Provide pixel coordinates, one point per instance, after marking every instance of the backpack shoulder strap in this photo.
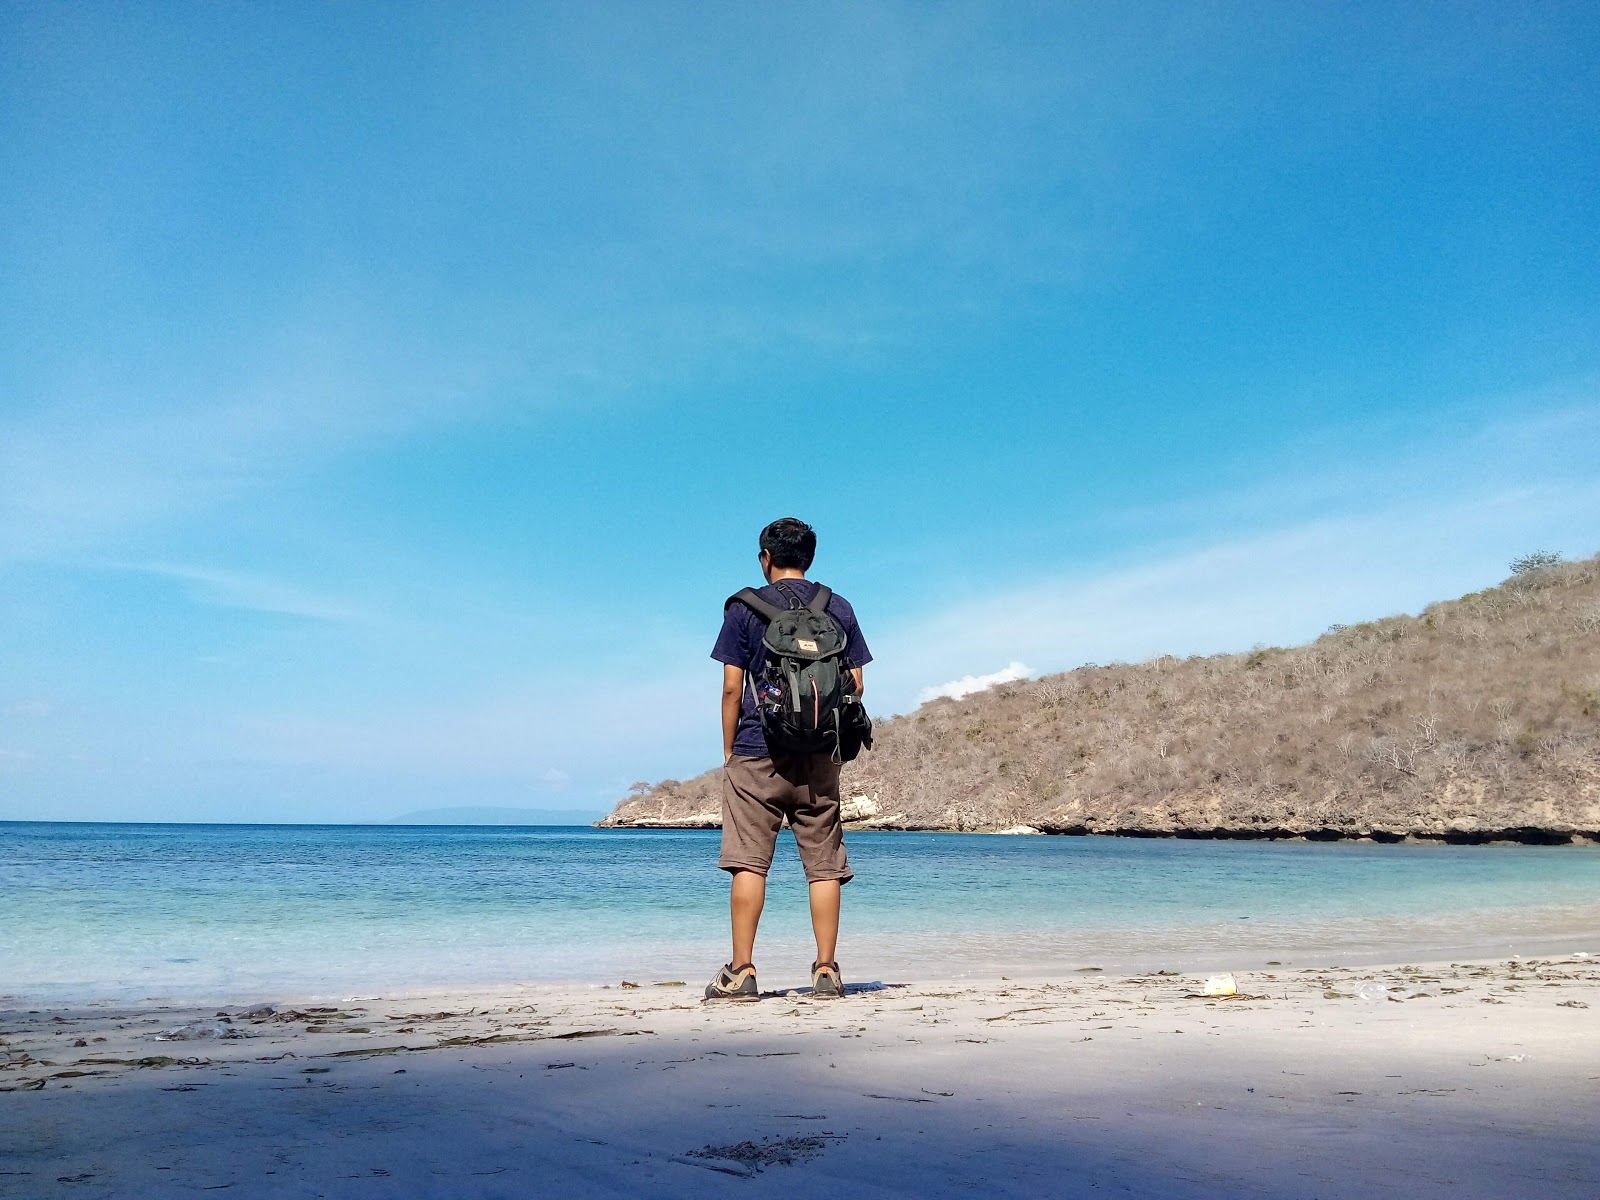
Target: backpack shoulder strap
(751, 599)
(819, 602)
(789, 594)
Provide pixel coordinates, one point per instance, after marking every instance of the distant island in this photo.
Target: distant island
(1477, 720)
(496, 816)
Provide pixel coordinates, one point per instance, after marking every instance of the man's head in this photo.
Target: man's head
(788, 544)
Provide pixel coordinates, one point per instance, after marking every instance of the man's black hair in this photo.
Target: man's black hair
(790, 542)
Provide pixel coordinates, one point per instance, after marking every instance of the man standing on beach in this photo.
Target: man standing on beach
(760, 787)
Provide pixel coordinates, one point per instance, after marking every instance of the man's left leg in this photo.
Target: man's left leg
(825, 918)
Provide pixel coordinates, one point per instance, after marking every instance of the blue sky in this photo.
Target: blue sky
(391, 394)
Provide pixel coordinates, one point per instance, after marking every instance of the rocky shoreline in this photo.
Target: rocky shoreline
(865, 812)
(1523, 835)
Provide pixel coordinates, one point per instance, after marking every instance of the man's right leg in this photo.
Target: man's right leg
(751, 817)
(746, 898)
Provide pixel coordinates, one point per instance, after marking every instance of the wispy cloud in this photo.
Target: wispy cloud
(958, 689)
(1278, 587)
(84, 457)
(553, 732)
(1349, 527)
(27, 708)
(254, 592)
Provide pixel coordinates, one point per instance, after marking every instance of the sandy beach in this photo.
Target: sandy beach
(1442, 1079)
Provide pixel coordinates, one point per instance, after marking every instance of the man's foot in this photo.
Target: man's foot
(734, 983)
(825, 981)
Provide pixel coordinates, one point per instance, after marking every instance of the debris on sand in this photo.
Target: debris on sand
(196, 1031)
(746, 1158)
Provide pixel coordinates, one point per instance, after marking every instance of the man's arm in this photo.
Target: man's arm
(732, 694)
(855, 673)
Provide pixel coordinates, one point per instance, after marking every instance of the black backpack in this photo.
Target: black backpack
(804, 692)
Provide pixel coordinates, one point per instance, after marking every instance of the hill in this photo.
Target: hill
(1478, 719)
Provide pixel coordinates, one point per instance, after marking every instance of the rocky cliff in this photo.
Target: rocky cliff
(1477, 719)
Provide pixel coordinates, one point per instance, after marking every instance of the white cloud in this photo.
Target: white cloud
(957, 689)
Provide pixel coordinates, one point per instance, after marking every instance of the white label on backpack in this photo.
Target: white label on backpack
(806, 644)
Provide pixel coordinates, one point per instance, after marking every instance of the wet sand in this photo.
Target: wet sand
(1460, 1080)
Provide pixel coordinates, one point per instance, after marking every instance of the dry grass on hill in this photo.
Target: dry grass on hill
(1480, 716)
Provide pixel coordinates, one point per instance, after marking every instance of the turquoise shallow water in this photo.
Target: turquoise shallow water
(237, 912)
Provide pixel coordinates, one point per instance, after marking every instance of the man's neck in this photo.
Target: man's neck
(784, 573)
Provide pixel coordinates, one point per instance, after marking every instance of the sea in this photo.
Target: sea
(239, 913)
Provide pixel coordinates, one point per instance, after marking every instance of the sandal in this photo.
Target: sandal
(734, 983)
(825, 981)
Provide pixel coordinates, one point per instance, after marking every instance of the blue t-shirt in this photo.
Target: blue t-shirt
(739, 645)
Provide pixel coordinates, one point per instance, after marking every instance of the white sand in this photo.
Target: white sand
(1478, 1080)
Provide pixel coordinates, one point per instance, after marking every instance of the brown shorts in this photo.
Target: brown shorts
(757, 793)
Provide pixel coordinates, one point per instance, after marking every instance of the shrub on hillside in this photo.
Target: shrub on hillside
(1536, 560)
